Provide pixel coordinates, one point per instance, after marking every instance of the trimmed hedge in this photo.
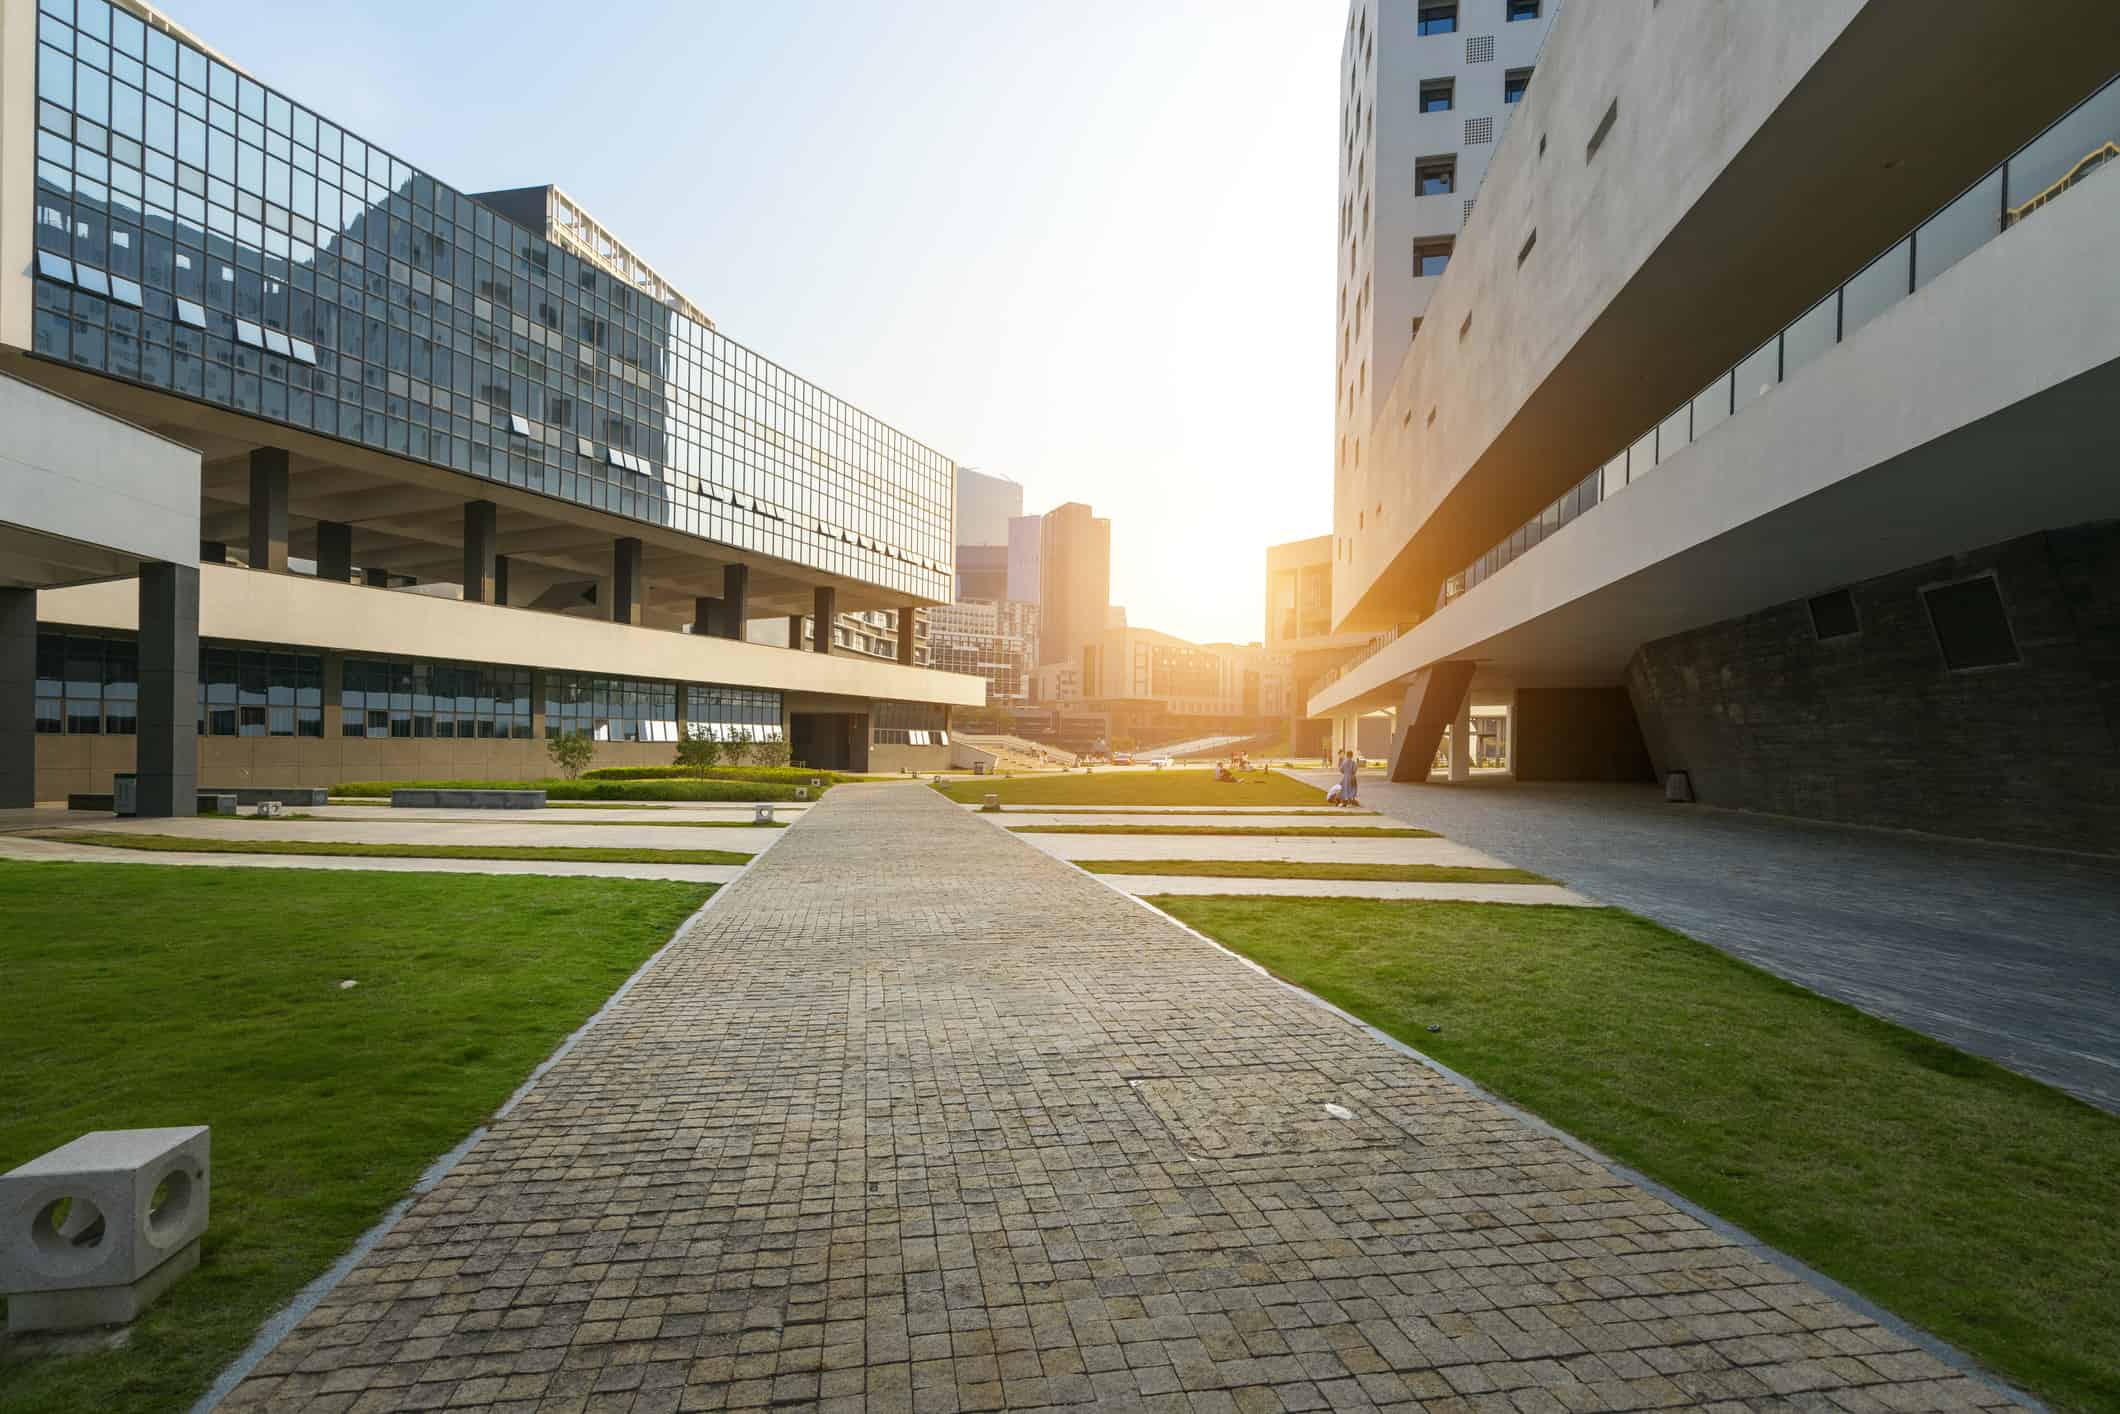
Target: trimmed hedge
(778, 775)
(558, 790)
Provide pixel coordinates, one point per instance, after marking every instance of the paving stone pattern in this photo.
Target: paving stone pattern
(919, 1118)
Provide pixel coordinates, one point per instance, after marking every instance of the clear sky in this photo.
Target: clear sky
(1086, 244)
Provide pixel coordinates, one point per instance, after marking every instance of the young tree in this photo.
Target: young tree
(571, 752)
(737, 748)
(770, 753)
(700, 749)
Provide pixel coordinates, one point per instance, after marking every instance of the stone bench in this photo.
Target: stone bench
(217, 802)
(469, 799)
(285, 795)
(106, 803)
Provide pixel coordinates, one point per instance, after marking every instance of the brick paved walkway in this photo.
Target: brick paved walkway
(917, 1117)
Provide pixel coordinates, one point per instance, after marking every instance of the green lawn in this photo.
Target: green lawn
(532, 817)
(1967, 1199)
(1311, 869)
(683, 788)
(588, 854)
(1177, 812)
(1135, 788)
(139, 995)
(1349, 832)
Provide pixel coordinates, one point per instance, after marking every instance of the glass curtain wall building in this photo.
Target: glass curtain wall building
(202, 234)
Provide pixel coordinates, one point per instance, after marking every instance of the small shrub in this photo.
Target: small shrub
(571, 752)
(699, 753)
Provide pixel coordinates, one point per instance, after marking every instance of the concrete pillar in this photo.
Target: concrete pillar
(482, 529)
(795, 631)
(628, 588)
(268, 510)
(18, 698)
(168, 745)
(334, 550)
(376, 579)
(1509, 741)
(213, 552)
(1461, 741)
(706, 616)
(907, 621)
(500, 579)
(827, 609)
(735, 597)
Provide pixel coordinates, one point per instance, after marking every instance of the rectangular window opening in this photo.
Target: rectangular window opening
(1524, 251)
(1972, 627)
(1604, 130)
(1833, 615)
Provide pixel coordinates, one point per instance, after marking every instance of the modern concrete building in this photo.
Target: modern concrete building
(1074, 583)
(1768, 435)
(456, 473)
(996, 640)
(1299, 632)
(1426, 91)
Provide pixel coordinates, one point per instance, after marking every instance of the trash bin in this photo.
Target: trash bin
(125, 793)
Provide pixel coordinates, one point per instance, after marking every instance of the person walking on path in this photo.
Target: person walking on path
(1349, 765)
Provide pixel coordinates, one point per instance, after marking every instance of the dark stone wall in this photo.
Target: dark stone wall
(1579, 734)
(1873, 729)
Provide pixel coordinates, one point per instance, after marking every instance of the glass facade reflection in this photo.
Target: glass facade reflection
(202, 234)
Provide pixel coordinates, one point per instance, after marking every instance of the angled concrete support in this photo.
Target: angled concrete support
(482, 529)
(1435, 698)
(1461, 742)
(268, 509)
(168, 751)
(795, 631)
(827, 611)
(18, 698)
(735, 591)
(334, 550)
(628, 588)
(706, 615)
(908, 620)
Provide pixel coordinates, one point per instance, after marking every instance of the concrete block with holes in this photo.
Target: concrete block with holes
(93, 1231)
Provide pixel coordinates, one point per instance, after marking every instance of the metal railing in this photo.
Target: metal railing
(2072, 147)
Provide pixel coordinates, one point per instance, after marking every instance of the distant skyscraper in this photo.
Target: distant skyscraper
(1074, 582)
(985, 505)
(1024, 533)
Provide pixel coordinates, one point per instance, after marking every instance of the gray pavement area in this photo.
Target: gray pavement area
(915, 1117)
(2013, 954)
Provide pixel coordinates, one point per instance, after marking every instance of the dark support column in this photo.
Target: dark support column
(795, 631)
(268, 510)
(18, 698)
(334, 550)
(706, 615)
(213, 552)
(168, 761)
(735, 590)
(827, 610)
(907, 619)
(500, 580)
(628, 589)
(481, 531)
(376, 579)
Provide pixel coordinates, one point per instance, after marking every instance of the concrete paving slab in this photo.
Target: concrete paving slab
(1141, 885)
(1291, 847)
(30, 848)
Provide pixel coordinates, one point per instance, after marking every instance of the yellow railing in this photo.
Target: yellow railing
(2094, 159)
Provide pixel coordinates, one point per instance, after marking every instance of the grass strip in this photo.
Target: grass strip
(1333, 813)
(1963, 1197)
(688, 788)
(584, 854)
(531, 817)
(220, 988)
(1350, 832)
(1135, 788)
(1311, 869)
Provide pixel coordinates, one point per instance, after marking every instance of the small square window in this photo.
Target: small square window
(1436, 95)
(89, 278)
(1833, 615)
(1972, 627)
(518, 424)
(1514, 83)
(276, 342)
(1431, 257)
(55, 267)
(190, 313)
(303, 351)
(1521, 10)
(249, 333)
(1435, 176)
(1437, 19)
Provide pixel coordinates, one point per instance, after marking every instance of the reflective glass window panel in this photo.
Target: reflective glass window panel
(1955, 232)
(1757, 375)
(1882, 284)
(1815, 331)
